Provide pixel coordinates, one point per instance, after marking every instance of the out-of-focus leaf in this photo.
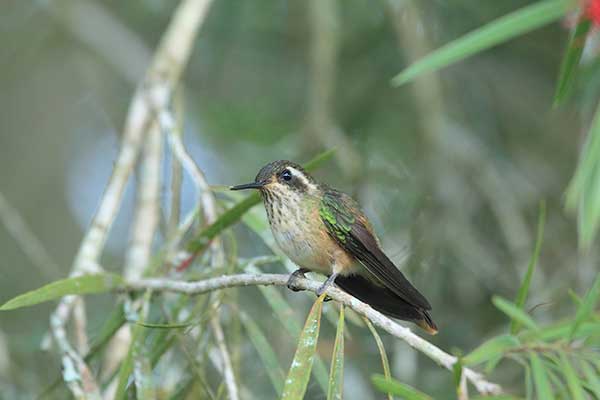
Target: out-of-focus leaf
(285, 315)
(232, 215)
(528, 383)
(127, 364)
(112, 324)
(85, 284)
(384, 359)
(299, 372)
(568, 68)
(502, 29)
(514, 312)
(583, 193)
(394, 388)
(491, 349)
(572, 379)
(163, 326)
(336, 373)
(592, 377)
(524, 289)
(587, 307)
(265, 352)
(540, 379)
(497, 397)
(457, 371)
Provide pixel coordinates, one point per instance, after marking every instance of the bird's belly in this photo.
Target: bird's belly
(302, 246)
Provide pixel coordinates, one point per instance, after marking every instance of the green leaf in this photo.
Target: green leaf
(593, 379)
(299, 372)
(514, 312)
(286, 316)
(233, 215)
(393, 387)
(384, 359)
(457, 372)
(524, 289)
(163, 326)
(571, 378)
(491, 349)
(265, 352)
(570, 62)
(583, 193)
(540, 379)
(587, 307)
(336, 373)
(85, 284)
(501, 30)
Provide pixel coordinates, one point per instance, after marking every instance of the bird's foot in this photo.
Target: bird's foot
(326, 285)
(291, 283)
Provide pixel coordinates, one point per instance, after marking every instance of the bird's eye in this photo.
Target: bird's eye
(286, 175)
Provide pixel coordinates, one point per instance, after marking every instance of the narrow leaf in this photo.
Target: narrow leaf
(394, 387)
(265, 352)
(524, 289)
(86, 284)
(299, 372)
(570, 62)
(540, 379)
(587, 307)
(583, 193)
(163, 326)
(514, 312)
(233, 215)
(491, 349)
(384, 359)
(336, 373)
(286, 316)
(572, 379)
(501, 30)
(592, 377)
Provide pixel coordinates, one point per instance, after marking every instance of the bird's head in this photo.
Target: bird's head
(282, 179)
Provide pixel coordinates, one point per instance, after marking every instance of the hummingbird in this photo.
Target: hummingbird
(324, 230)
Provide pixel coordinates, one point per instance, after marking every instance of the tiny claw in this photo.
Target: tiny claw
(291, 283)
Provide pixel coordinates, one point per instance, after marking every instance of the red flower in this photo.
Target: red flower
(592, 11)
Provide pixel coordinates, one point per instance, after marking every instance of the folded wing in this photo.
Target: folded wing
(350, 228)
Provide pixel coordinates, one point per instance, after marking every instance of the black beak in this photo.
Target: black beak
(253, 185)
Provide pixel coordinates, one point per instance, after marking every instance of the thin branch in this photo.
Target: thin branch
(226, 281)
(232, 388)
(147, 207)
(153, 94)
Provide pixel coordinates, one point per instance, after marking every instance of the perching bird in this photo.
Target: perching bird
(323, 230)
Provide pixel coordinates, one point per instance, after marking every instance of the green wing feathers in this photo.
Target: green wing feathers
(350, 228)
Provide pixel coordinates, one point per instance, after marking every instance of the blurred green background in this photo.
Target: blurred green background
(450, 168)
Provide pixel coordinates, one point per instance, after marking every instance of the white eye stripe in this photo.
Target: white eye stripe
(299, 175)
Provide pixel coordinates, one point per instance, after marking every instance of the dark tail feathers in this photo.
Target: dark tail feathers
(386, 302)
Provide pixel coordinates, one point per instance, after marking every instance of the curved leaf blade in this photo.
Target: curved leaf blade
(587, 307)
(384, 359)
(394, 387)
(299, 372)
(85, 284)
(568, 68)
(336, 374)
(514, 312)
(501, 30)
(540, 379)
(265, 352)
(491, 349)
(573, 382)
(524, 289)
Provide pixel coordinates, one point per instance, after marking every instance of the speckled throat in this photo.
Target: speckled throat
(298, 229)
